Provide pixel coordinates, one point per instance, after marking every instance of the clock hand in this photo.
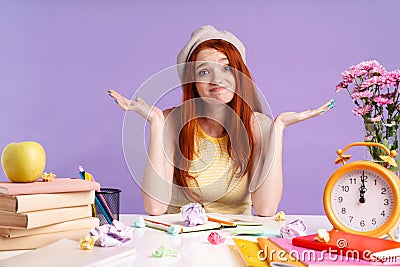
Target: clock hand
(362, 188)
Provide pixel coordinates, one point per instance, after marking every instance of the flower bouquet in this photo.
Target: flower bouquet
(375, 92)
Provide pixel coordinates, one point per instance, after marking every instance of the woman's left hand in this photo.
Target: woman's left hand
(289, 118)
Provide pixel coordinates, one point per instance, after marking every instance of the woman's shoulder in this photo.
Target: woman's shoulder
(168, 111)
(261, 125)
(261, 120)
(172, 117)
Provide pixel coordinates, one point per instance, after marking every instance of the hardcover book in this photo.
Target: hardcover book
(59, 185)
(39, 218)
(84, 223)
(67, 253)
(317, 258)
(342, 242)
(37, 241)
(34, 202)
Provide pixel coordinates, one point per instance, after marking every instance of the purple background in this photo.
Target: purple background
(58, 58)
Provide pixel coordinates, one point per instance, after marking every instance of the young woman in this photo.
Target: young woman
(216, 148)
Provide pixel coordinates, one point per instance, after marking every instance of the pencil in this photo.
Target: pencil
(222, 222)
(159, 225)
(90, 177)
(97, 201)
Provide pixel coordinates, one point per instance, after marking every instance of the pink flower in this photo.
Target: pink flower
(341, 86)
(361, 111)
(372, 66)
(394, 77)
(348, 76)
(375, 80)
(215, 238)
(376, 119)
(368, 138)
(382, 100)
(357, 95)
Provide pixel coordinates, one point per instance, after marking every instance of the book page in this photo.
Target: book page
(67, 253)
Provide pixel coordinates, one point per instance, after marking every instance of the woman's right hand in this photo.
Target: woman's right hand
(148, 112)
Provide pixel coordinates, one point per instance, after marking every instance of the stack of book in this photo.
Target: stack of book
(36, 214)
(304, 251)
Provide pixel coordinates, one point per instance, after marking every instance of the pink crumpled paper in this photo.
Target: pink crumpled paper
(294, 229)
(215, 238)
(193, 214)
(112, 235)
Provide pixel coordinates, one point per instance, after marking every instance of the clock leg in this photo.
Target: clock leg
(391, 236)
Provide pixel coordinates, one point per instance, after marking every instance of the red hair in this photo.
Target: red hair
(244, 103)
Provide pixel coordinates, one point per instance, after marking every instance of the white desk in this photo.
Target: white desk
(194, 248)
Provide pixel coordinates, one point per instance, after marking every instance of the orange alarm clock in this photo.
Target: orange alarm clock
(363, 197)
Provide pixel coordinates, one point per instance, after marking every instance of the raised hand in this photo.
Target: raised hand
(138, 105)
(289, 118)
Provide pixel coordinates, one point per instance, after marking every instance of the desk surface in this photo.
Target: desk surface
(194, 248)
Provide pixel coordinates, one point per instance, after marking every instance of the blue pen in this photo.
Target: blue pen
(103, 210)
(81, 172)
(98, 203)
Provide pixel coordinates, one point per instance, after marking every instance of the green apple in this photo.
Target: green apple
(23, 162)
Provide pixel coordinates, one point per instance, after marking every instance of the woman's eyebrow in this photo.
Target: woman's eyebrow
(204, 63)
(201, 64)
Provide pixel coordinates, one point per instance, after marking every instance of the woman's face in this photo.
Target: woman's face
(214, 77)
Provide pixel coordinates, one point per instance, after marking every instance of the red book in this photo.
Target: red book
(342, 242)
(58, 185)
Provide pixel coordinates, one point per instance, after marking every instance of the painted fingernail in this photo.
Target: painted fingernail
(116, 101)
(332, 106)
(332, 101)
(323, 111)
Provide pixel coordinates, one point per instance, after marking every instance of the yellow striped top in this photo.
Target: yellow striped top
(214, 185)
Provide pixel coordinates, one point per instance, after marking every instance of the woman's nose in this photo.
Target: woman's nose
(216, 77)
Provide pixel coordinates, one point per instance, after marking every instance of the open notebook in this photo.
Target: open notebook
(67, 253)
(163, 222)
(215, 221)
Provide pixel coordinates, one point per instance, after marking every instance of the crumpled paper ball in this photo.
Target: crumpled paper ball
(322, 236)
(294, 229)
(193, 214)
(111, 235)
(280, 216)
(139, 223)
(87, 242)
(215, 238)
(164, 251)
(174, 230)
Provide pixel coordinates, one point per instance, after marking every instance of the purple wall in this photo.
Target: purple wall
(58, 58)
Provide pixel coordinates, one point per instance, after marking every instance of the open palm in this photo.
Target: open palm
(289, 118)
(138, 105)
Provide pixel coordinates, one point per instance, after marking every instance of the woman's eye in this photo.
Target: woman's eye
(203, 72)
(227, 68)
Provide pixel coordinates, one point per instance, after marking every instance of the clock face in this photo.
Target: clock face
(362, 200)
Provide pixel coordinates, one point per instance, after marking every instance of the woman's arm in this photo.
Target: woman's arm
(267, 183)
(157, 179)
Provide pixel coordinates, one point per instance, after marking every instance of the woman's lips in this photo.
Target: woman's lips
(217, 89)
